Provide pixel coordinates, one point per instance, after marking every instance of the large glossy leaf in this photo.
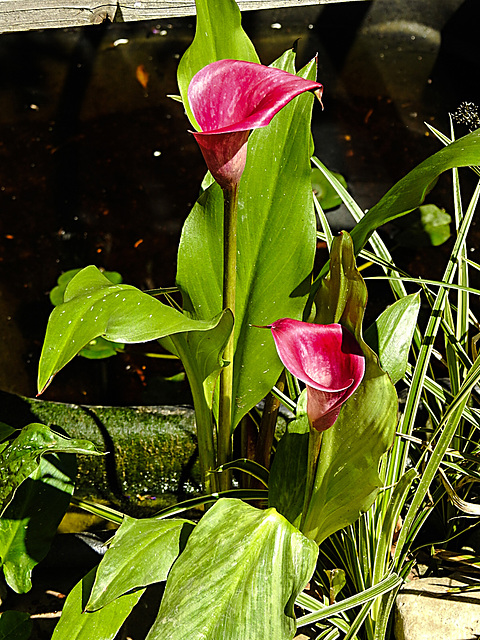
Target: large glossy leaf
(95, 307)
(347, 478)
(141, 553)
(236, 582)
(409, 192)
(77, 624)
(30, 521)
(276, 245)
(21, 457)
(218, 36)
(390, 336)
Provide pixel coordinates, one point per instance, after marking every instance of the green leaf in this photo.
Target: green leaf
(323, 190)
(15, 625)
(390, 336)
(288, 475)
(77, 624)
(6, 431)
(219, 36)
(99, 348)
(276, 246)
(22, 456)
(410, 192)
(141, 553)
(57, 293)
(347, 478)
(236, 583)
(95, 307)
(30, 521)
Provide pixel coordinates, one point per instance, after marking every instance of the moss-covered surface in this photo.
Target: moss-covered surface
(150, 456)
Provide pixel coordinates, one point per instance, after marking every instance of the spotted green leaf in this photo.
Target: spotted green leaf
(95, 307)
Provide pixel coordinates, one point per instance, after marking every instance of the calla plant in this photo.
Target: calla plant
(233, 278)
(230, 98)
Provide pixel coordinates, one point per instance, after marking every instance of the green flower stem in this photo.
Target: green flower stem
(224, 442)
(314, 444)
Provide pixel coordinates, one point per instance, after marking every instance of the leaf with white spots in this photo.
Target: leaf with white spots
(95, 307)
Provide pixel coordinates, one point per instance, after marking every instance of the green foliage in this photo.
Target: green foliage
(99, 348)
(347, 478)
(77, 624)
(391, 335)
(276, 220)
(426, 226)
(246, 577)
(409, 192)
(142, 553)
(95, 307)
(323, 190)
(15, 625)
(28, 524)
(288, 475)
(22, 456)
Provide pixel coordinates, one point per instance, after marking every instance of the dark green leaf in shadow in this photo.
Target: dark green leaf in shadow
(323, 190)
(390, 336)
(236, 583)
(424, 227)
(30, 521)
(21, 457)
(141, 553)
(77, 624)
(15, 625)
(288, 474)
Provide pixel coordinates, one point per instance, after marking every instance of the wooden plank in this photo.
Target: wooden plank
(25, 15)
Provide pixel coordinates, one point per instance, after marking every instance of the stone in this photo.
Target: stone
(426, 608)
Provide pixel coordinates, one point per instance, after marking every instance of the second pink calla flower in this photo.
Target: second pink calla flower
(229, 98)
(327, 358)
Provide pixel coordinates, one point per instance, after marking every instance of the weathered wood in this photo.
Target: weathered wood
(25, 15)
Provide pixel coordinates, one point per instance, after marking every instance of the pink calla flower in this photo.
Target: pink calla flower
(229, 98)
(327, 358)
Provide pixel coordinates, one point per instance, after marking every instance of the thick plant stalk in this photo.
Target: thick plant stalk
(224, 432)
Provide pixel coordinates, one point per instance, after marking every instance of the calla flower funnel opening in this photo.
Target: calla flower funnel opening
(327, 358)
(229, 98)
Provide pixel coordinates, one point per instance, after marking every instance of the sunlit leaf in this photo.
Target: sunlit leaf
(390, 336)
(141, 553)
(77, 624)
(236, 583)
(95, 307)
(30, 521)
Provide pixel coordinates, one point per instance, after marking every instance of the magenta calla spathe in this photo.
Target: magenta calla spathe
(327, 358)
(229, 98)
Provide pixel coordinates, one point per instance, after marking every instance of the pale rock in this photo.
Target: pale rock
(425, 610)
